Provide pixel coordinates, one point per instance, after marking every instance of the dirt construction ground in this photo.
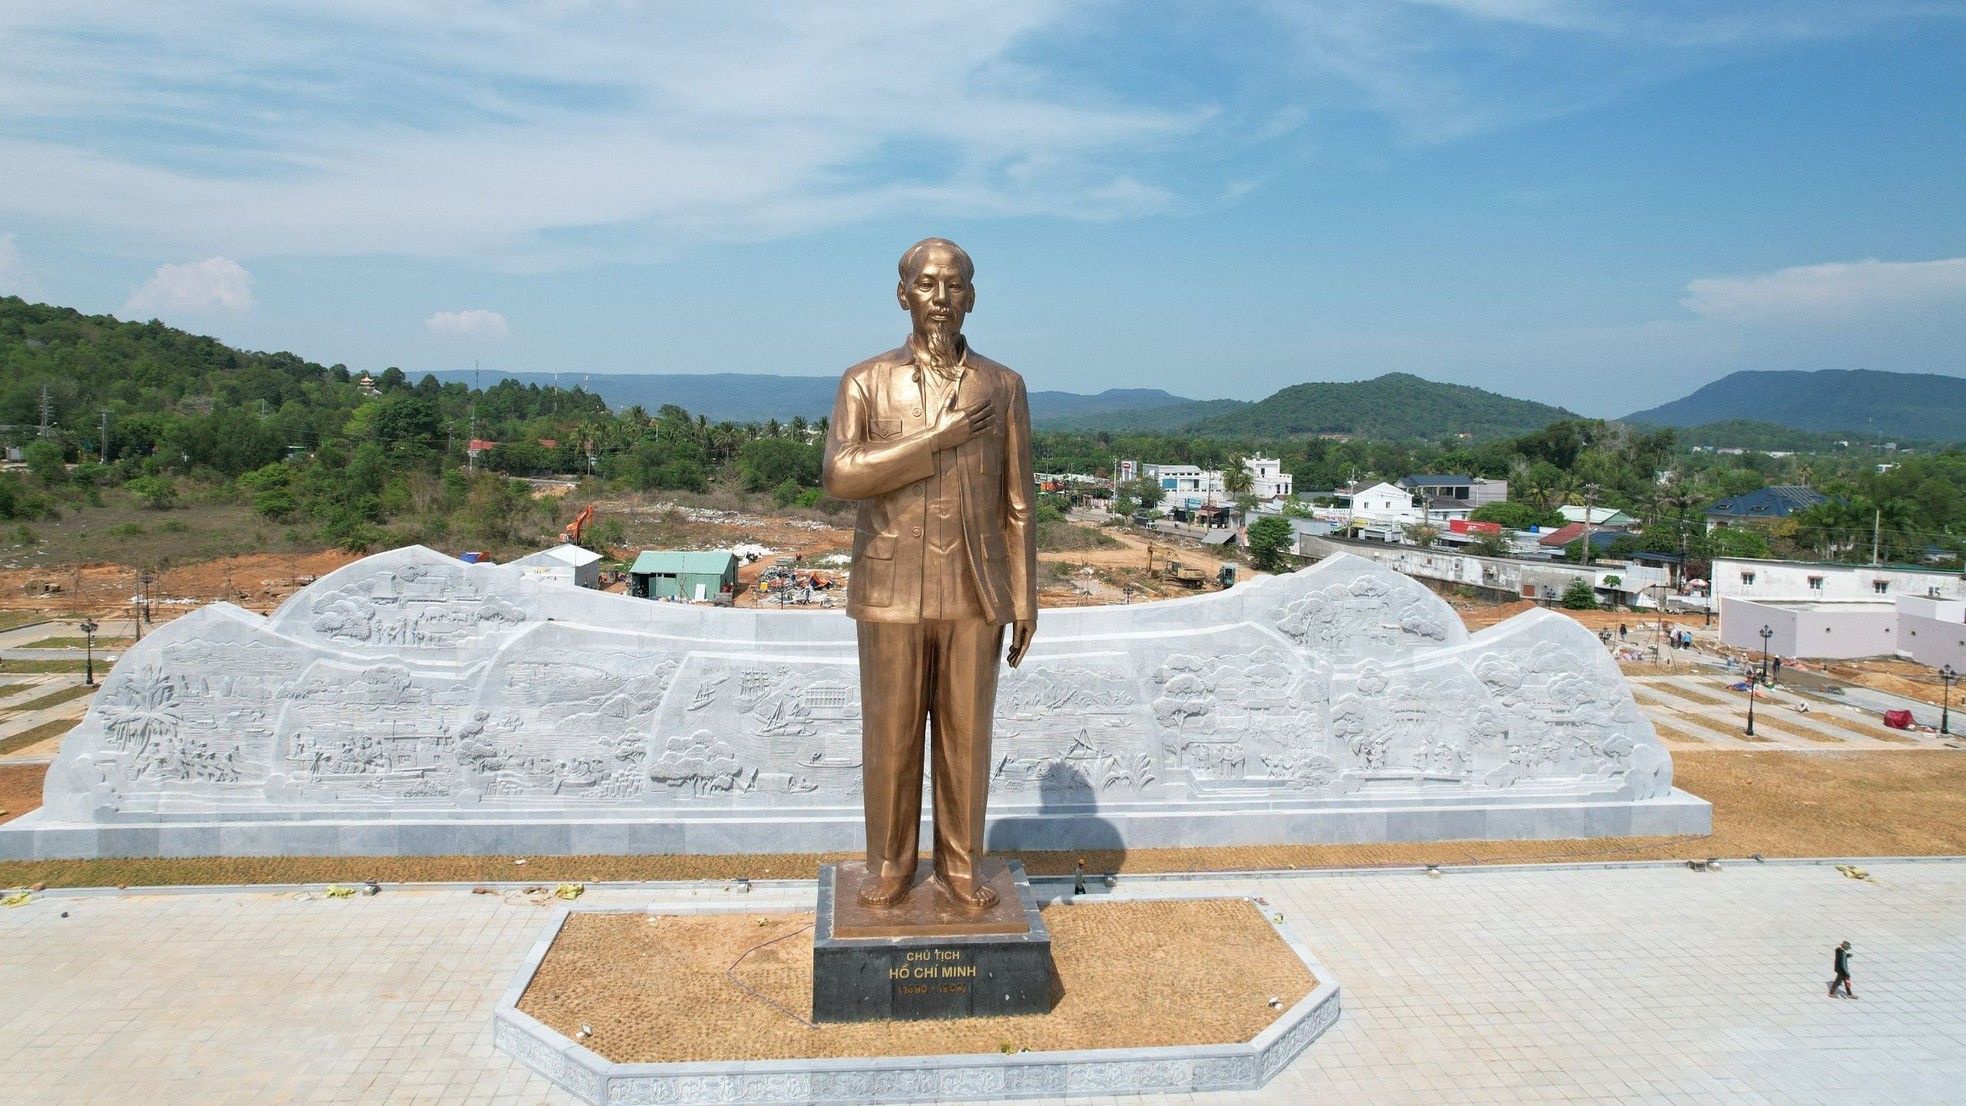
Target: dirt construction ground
(257, 581)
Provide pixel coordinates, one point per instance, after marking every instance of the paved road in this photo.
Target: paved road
(1644, 985)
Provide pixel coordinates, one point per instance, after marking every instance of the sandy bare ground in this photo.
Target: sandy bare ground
(1109, 958)
(1120, 574)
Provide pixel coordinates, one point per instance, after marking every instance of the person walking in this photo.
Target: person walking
(1621, 631)
(1078, 878)
(1841, 961)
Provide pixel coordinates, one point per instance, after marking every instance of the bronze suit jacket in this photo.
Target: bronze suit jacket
(878, 452)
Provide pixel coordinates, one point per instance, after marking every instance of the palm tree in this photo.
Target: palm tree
(1236, 479)
(1672, 500)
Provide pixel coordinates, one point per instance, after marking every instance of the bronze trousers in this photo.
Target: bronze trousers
(942, 676)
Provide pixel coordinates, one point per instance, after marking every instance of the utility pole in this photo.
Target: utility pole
(46, 410)
(1590, 510)
(471, 442)
(1876, 531)
(104, 458)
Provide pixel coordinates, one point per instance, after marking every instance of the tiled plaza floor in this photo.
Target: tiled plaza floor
(1697, 710)
(1552, 985)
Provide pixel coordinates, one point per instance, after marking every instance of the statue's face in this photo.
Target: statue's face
(938, 296)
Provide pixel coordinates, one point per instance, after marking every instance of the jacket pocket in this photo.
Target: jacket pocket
(872, 584)
(882, 430)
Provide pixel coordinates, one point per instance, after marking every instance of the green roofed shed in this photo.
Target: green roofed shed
(676, 573)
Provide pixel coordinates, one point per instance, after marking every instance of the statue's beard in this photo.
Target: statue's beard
(943, 340)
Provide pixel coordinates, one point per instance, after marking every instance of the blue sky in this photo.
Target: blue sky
(1594, 204)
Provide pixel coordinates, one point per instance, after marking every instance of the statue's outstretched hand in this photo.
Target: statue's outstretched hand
(1021, 632)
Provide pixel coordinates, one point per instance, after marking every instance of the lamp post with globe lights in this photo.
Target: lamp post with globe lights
(1766, 633)
(89, 629)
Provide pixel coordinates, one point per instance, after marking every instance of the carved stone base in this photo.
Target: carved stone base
(1511, 814)
(926, 958)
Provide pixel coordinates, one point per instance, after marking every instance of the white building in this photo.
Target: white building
(566, 564)
(1186, 485)
(1836, 611)
(1471, 490)
(1818, 630)
(1381, 503)
(1627, 585)
(1806, 581)
(1441, 510)
(1933, 631)
(1189, 486)
(1267, 480)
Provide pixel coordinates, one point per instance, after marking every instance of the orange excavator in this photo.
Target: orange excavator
(573, 530)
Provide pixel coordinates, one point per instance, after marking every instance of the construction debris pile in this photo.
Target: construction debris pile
(789, 581)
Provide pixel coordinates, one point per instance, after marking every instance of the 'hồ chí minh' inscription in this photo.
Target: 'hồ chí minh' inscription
(933, 964)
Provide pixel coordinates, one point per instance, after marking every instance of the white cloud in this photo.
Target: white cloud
(214, 284)
(1840, 289)
(550, 133)
(1442, 70)
(556, 132)
(16, 279)
(470, 324)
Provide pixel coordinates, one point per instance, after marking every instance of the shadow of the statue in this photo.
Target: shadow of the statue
(1065, 832)
(1066, 836)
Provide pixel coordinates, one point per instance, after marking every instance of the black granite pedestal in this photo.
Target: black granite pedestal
(927, 958)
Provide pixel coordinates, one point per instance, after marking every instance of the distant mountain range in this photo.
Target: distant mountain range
(1397, 405)
(756, 397)
(1866, 402)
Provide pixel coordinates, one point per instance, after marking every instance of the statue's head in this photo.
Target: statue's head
(935, 289)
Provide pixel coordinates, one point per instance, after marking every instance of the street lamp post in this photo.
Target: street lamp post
(1946, 676)
(89, 629)
(1766, 633)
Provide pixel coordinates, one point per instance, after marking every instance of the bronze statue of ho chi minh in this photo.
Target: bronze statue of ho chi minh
(934, 440)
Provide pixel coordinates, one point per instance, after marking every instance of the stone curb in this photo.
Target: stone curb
(1176, 1070)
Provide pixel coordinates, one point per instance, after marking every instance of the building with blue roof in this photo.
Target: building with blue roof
(1769, 504)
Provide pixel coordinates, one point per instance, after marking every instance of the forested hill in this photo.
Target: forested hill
(1394, 407)
(307, 445)
(164, 390)
(1868, 402)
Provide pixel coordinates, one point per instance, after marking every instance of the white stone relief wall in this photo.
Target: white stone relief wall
(409, 683)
